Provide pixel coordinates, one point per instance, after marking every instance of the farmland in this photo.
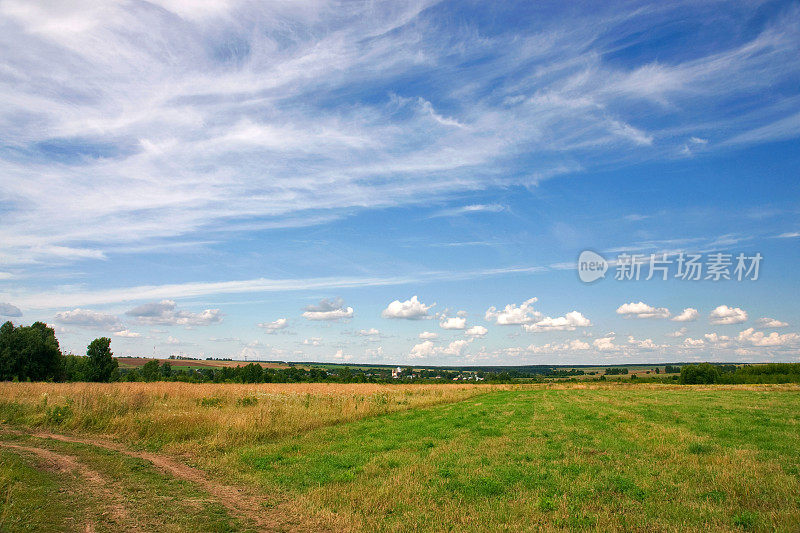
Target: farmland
(364, 457)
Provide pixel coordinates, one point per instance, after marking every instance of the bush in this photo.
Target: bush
(212, 401)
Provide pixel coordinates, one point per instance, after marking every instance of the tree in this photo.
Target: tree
(699, 374)
(29, 352)
(150, 370)
(101, 361)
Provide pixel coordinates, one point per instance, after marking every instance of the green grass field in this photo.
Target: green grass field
(572, 457)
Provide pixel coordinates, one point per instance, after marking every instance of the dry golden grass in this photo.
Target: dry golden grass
(211, 414)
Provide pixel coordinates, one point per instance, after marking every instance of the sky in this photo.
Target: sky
(403, 182)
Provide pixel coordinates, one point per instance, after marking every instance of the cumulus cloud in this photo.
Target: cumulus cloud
(313, 341)
(7, 309)
(275, 325)
(166, 313)
(568, 322)
(606, 344)
(456, 347)
(340, 355)
(328, 310)
(428, 335)
(411, 309)
(90, 319)
(687, 315)
(724, 315)
(453, 322)
(767, 322)
(645, 344)
(693, 343)
(759, 338)
(679, 333)
(642, 310)
(476, 331)
(514, 315)
(429, 349)
(716, 339)
(371, 332)
(423, 349)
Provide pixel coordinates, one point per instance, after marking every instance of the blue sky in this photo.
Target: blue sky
(400, 182)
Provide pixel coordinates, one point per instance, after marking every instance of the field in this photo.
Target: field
(194, 364)
(335, 457)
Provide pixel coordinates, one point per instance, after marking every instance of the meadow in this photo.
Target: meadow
(365, 457)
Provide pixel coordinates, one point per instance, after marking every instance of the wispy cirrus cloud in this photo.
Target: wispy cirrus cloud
(211, 121)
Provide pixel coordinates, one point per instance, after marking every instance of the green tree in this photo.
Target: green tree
(699, 374)
(101, 361)
(150, 370)
(76, 368)
(29, 352)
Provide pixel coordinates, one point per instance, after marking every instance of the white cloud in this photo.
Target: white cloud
(767, 322)
(679, 333)
(313, 341)
(423, 349)
(176, 118)
(568, 322)
(173, 340)
(90, 319)
(371, 332)
(328, 310)
(275, 325)
(687, 315)
(513, 315)
(453, 322)
(427, 335)
(473, 208)
(167, 313)
(642, 310)
(341, 356)
(759, 338)
(693, 343)
(127, 333)
(476, 331)
(645, 344)
(7, 309)
(575, 345)
(456, 347)
(411, 309)
(714, 338)
(723, 315)
(429, 349)
(66, 298)
(606, 344)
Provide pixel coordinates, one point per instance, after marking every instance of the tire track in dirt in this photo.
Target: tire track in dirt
(238, 502)
(98, 484)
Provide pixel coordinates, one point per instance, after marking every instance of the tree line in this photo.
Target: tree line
(708, 373)
(32, 353)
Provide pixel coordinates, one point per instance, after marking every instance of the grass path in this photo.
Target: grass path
(94, 482)
(139, 491)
